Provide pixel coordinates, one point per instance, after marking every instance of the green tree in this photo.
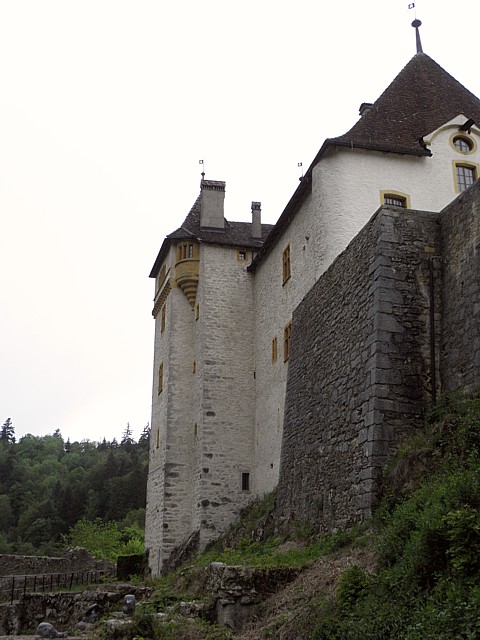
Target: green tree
(7, 434)
(127, 440)
(144, 440)
(104, 539)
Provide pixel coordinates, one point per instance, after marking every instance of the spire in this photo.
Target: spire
(416, 24)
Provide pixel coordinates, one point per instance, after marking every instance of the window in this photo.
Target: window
(463, 144)
(287, 338)
(158, 437)
(194, 366)
(184, 251)
(274, 350)
(162, 326)
(197, 312)
(161, 277)
(160, 378)
(241, 255)
(245, 482)
(395, 198)
(286, 272)
(396, 201)
(465, 176)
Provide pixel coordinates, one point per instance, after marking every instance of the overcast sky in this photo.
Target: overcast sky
(106, 107)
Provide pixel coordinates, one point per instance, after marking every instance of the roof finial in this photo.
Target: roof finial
(417, 23)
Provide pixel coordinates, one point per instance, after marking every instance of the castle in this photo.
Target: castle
(298, 355)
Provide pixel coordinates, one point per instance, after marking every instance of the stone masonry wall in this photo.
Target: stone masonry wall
(76, 559)
(359, 374)
(224, 403)
(460, 224)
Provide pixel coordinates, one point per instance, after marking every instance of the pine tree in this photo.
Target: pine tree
(144, 440)
(7, 434)
(127, 440)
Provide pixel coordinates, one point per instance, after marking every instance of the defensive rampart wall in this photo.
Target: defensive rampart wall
(363, 368)
(460, 225)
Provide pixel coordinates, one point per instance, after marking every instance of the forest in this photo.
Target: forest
(49, 487)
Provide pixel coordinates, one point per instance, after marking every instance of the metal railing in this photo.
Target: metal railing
(13, 587)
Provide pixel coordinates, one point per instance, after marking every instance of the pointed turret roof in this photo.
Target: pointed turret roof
(422, 98)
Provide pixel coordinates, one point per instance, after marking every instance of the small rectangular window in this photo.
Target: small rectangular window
(287, 338)
(162, 326)
(158, 437)
(160, 378)
(161, 277)
(194, 367)
(242, 255)
(274, 350)
(197, 312)
(245, 482)
(396, 201)
(286, 271)
(190, 250)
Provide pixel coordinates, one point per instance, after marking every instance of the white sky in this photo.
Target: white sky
(106, 106)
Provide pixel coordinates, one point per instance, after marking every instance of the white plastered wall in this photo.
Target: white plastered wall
(224, 390)
(169, 489)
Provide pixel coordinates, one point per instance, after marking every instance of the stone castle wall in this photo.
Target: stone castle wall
(460, 223)
(77, 559)
(360, 371)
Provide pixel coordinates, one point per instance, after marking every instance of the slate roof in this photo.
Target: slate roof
(237, 234)
(421, 98)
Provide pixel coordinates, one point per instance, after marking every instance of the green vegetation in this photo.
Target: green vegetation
(50, 487)
(428, 544)
(105, 539)
(423, 581)
(425, 537)
(272, 553)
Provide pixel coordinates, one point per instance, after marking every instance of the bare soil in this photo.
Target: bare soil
(291, 613)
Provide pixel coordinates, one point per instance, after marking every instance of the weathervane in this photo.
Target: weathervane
(416, 24)
(203, 167)
(300, 165)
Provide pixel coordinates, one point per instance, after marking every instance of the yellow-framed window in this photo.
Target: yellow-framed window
(286, 265)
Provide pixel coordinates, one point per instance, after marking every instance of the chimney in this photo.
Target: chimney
(256, 220)
(211, 204)
(365, 107)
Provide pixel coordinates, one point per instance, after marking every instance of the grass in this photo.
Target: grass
(270, 553)
(428, 543)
